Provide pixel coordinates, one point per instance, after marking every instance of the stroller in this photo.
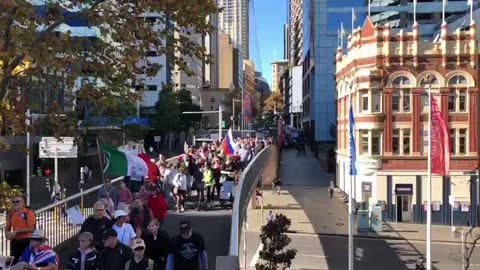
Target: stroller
(227, 193)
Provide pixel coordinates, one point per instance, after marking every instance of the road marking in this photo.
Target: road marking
(256, 256)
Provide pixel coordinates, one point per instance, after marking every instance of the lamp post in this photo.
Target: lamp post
(428, 81)
(219, 112)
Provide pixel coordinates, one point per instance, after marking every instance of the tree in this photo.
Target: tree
(6, 194)
(274, 239)
(275, 102)
(185, 104)
(472, 239)
(100, 68)
(167, 110)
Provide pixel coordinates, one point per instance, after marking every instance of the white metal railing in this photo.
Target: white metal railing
(57, 226)
(244, 191)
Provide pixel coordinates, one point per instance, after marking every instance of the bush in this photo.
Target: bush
(274, 254)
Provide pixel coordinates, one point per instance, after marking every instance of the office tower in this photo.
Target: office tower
(233, 20)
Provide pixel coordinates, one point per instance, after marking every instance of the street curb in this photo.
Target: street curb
(384, 237)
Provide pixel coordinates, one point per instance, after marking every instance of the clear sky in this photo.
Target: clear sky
(270, 16)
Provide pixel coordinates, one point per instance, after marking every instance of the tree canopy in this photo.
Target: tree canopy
(99, 65)
(275, 102)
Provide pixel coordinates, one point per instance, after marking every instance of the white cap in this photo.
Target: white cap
(119, 213)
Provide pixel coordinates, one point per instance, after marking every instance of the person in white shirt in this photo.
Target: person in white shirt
(180, 188)
(124, 230)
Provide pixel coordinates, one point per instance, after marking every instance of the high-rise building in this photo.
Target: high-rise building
(321, 21)
(234, 20)
(295, 22)
(278, 68)
(399, 13)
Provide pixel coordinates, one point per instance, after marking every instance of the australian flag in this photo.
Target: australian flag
(353, 155)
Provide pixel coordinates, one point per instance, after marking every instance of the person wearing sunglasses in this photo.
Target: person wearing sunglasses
(139, 261)
(114, 255)
(20, 224)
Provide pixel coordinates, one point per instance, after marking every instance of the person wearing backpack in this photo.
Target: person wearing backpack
(139, 261)
(20, 224)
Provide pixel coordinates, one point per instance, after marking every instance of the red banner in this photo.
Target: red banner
(440, 137)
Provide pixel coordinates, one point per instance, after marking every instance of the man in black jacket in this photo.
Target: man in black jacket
(115, 254)
(97, 224)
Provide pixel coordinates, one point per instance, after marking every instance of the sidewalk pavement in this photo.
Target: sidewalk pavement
(312, 211)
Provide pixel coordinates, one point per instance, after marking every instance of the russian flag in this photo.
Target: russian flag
(228, 144)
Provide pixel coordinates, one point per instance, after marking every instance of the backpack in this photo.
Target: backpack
(150, 264)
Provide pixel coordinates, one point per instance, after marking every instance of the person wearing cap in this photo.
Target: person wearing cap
(139, 261)
(39, 255)
(188, 248)
(85, 257)
(115, 254)
(96, 224)
(124, 230)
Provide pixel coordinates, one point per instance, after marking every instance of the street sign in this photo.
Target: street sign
(64, 146)
(157, 138)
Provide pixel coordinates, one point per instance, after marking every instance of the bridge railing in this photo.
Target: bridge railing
(263, 167)
(54, 220)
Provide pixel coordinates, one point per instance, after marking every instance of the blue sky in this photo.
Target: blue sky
(270, 16)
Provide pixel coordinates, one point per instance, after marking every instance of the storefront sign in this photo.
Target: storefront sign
(404, 189)
(368, 166)
(366, 187)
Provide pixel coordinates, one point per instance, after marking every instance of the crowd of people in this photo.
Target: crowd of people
(125, 229)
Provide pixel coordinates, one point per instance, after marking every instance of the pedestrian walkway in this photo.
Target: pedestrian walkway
(305, 200)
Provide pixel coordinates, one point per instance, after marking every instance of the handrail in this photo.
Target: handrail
(244, 190)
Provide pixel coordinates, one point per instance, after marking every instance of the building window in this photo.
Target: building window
(364, 142)
(406, 142)
(401, 141)
(376, 99)
(212, 99)
(376, 142)
(462, 141)
(401, 96)
(364, 100)
(457, 101)
(462, 100)
(452, 141)
(152, 87)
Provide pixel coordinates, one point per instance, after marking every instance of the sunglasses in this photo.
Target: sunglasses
(16, 201)
(37, 239)
(139, 249)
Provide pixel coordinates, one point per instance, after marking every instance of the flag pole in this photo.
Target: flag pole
(443, 10)
(341, 35)
(429, 183)
(100, 161)
(350, 199)
(353, 20)
(471, 11)
(369, 7)
(414, 11)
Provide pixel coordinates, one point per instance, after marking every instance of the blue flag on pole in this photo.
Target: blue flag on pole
(353, 155)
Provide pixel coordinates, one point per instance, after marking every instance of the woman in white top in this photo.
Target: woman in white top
(180, 188)
(124, 230)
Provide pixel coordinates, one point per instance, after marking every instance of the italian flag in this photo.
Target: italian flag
(128, 163)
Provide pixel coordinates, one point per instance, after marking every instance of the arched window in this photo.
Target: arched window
(457, 99)
(401, 94)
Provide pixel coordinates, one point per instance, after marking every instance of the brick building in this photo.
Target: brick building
(385, 71)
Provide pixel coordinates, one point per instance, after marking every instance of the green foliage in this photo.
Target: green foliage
(185, 104)
(6, 194)
(100, 69)
(168, 111)
(274, 254)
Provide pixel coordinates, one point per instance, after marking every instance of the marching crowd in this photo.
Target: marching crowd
(125, 230)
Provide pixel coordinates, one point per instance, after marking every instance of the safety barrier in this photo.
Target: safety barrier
(57, 226)
(263, 167)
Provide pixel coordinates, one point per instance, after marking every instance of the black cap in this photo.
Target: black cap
(109, 233)
(185, 226)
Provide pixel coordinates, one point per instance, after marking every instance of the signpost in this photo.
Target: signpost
(63, 147)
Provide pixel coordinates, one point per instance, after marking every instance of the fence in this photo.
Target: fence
(57, 226)
(264, 166)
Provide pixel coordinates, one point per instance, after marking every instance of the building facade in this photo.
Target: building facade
(263, 88)
(278, 68)
(252, 102)
(384, 75)
(234, 20)
(295, 19)
(321, 19)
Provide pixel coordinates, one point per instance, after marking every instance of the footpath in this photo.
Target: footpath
(305, 200)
